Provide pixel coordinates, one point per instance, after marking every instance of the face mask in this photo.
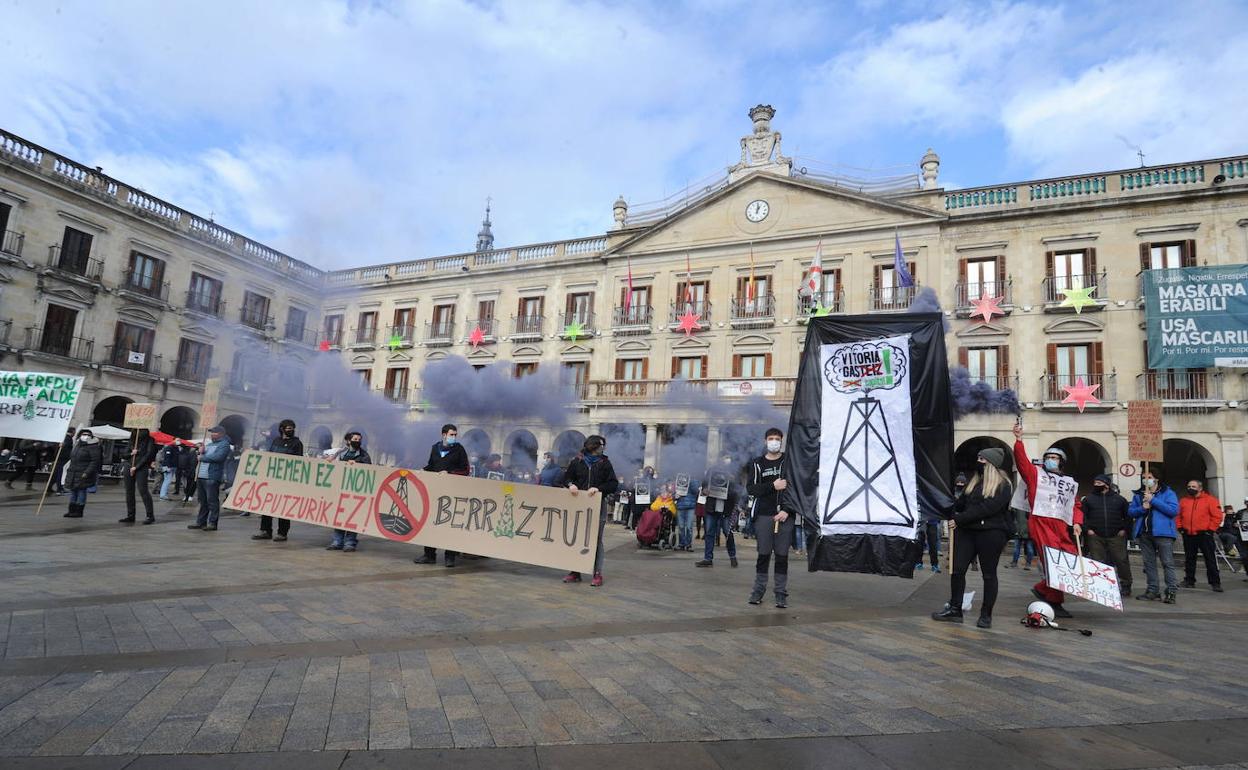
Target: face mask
(1193, 492)
(450, 440)
(1101, 490)
(355, 445)
(1150, 483)
(288, 432)
(1051, 465)
(773, 446)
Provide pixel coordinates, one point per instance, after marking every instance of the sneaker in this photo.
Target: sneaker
(782, 602)
(1169, 597)
(572, 577)
(1149, 596)
(166, 499)
(334, 547)
(732, 560)
(985, 621)
(597, 581)
(1027, 567)
(425, 560)
(918, 566)
(1061, 612)
(209, 528)
(126, 520)
(948, 615)
(150, 520)
(1189, 583)
(262, 536)
(1217, 589)
(245, 513)
(195, 526)
(348, 549)
(450, 563)
(1011, 565)
(936, 568)
(279, 538)
(704, 563)
(756, 599)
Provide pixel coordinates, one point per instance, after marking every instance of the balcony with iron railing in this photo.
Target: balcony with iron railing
(330, 339)
(1181, 388)
(140, 361)
(440, 333)
(57, 343)
(999, 382)
(488, 327)
(12, 243)
(823, 303)
(700, 308)
(759, 311)
(298, 335)
(255, 319)
(6, 329)
(890, 299)
(205, 304)
(633, 319)
(143, 286)
(395, 394)
(1053, 393)
(75, 266)
(584, 319)
(527, 328)
(363, 337)
(657, 391)
(1057, 288)
(401, 336)
(967, 293)
(190, 371)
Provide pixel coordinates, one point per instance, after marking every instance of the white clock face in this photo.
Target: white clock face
(757, 211)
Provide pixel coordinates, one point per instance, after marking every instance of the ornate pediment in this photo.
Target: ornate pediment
(194, 329)
(436, 355)
(398, 356)
(1075, 324)
(362, 358)
(68, 293)
(633, 346)
(756, 340)
(482, 354)
(140, 314)
(576, 349)
(691, 343)
(979, 330)
(526, 351)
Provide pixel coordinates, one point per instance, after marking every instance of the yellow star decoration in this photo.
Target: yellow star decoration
(509, 489)
(1078, 298)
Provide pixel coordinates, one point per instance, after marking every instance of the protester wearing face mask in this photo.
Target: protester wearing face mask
(722, 493)
(83, 471)
(773, 527)
(592, 472)
(348, 540)
(1105, 525)
(1154, 508)
(1200, 515)
(446, 456)
(288, 444)
(982, 527)
(1054, 508)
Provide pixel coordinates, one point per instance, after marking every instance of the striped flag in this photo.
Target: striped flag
(904, 279)
(628, 295)
(814, 276)
(749, 289)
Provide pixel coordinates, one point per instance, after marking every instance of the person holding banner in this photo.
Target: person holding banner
(142, 455)
(722, 494)
(344, 540)
(1154, 508)
(982, 528)
(449, 456)
(592, 471)
(1055, 508)
(83, 472)
(773, 527)
(286, 443)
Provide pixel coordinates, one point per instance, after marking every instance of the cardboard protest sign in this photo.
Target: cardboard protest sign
(1089, 580)
(36, 405)
(544, 526)
(212, 395)
(140, 416)
(1144, 434)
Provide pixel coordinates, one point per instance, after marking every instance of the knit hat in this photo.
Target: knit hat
(1104, 479)
(217, 429)
(993, 455)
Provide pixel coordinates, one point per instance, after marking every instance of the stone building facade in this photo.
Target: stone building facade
(728, 259)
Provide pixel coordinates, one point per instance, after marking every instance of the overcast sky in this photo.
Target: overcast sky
(348, 133)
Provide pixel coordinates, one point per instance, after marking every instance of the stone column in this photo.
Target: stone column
(1231, 487)
(712, 444)
(651, 454)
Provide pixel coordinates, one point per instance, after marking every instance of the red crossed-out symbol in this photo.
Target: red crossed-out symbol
(393, 512)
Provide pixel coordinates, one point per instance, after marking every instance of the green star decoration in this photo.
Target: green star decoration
(396, 342)
(1078, 298)
(574, 330)
(820, 310)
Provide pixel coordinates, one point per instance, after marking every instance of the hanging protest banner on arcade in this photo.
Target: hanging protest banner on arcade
(1196, 317)
(870, 442)
(37, 405)
(544, 526)
(1083, 577)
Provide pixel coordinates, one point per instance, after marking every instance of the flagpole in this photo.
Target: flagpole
(47, 484)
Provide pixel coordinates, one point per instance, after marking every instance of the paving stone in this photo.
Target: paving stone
(938, 751)
(652, 756)
(456, 759)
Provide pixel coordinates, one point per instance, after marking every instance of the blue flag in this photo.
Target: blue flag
(904, 279)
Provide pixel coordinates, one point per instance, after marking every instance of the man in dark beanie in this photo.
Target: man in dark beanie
(286, 442)
(1105, 527)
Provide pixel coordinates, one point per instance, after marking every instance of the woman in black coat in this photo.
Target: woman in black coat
(142, 455)
(83, 471)
(592, 471)
(981, 529)
(31, 457)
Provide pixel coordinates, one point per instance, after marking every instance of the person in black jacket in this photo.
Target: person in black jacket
(446, 456)
(31, 458)
(61, 460)
(981, 529)
(86, 462)
(773, 528)
(286, 443)
(188, 459)
(592, 471)
(347, 540)
(1105, 528)
(142, 455)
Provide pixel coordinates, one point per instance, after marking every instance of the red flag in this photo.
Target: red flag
(749, 291)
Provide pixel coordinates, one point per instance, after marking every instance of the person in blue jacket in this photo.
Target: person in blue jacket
(1153, 508)
(210, 475)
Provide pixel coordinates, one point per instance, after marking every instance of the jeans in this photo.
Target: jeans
(1202, 542)
(1152, 547)
(78, 497)
(209, 502)
(599, 551)
(170, 475)
(138, 481)
(1110, 550)
(715, 524)
(684, 527)
(1024, 546)
(345, 538)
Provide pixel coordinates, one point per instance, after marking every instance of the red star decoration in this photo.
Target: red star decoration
(324, 346)
(689, 323)
(987, 307)
(1080, 394)
(477, 336)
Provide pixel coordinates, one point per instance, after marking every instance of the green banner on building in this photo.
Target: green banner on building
(1197, 317)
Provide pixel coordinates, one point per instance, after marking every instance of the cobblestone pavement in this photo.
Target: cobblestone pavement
(119, 642)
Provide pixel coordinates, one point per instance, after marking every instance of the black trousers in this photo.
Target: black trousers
(969, 545)
(138, 481)
(432, 553)
(266, 525)
(29, 473)
(187, 477)
(1202, 542)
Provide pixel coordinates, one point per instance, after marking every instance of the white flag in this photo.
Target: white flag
(814, 277)
(136, 357)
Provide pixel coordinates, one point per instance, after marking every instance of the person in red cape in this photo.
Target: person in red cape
(1055, 508)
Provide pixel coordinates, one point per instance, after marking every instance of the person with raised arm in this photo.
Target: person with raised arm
(1055, 509)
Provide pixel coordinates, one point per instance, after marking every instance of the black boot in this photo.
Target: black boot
(985, 621)
(75, 511)
(129, 519)
(948, 615)
(150, 519)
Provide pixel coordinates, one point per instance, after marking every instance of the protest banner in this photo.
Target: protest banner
(1144, 436)
(543, 526)
(208, 409)
(1196, 317)
(37, 405)
(1083, 577)
(140, 416)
